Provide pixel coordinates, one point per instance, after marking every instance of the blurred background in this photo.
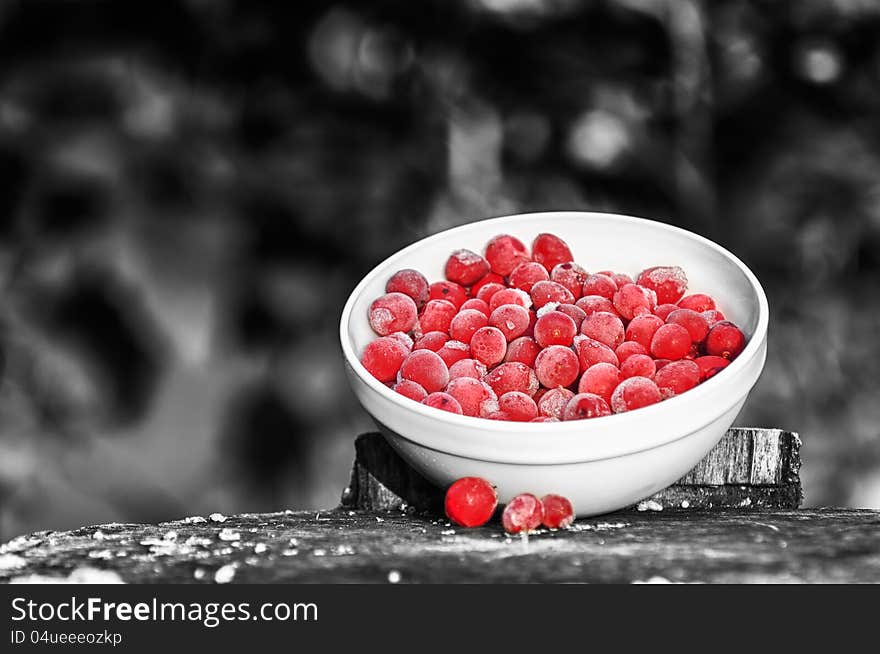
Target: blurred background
(189, 190)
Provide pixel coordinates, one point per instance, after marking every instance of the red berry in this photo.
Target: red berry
(554, 401)
(411, 390)
(641, 329)
(634, 393)
(604, 327)
(698, 302)
(711, 366)
(526, 275)
(491, 278)
(470, 502)
(431, 341)
(524, 350)
(511, 319)
(449, 291)
(570, 275)
(504, 253)
(409, 282)
(632, 300)
(488, 290)
(467, 368)
(510, 296)
(662, 311)
(725, 340)
(692, 321)
(427, 369)
(436, 316)
(712, 316)
(627, 349)
(601, 285)
(443, 401)
(592, 303)
(600, 379)
(668, 282)
(670, 341)
(477, 305)
(677, 377)
(475, 397)
(403, 339)
(518, 406)
(523, 513)
(558, 512)
(557, 365)
(574, 312)
(512, 376)
(465, 267)
(465, 323)
(393, 312)
(638, 365)
(544, 292)
(383, 357)
(550, 251)
(488, 345)
(584, 406)
(453, 351)
(591, 352)
(555, 328)
(620, 279)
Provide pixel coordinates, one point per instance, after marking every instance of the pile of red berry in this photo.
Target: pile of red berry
(509, 336)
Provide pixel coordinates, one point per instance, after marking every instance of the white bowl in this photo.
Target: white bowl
(602, 464)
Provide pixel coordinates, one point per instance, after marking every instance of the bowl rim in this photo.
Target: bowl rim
(640, 417)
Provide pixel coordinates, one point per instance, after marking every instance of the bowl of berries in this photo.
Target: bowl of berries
(591, 355)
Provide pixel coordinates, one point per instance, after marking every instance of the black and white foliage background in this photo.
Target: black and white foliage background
(189, 189)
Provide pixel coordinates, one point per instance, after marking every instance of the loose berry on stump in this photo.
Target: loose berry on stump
(522, 514)
(558, 512)
(470, 502)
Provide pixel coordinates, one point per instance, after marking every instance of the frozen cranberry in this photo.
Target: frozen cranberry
(632, 300)
(511, 319)
(592, 303)
(443, 401)
(427, 369)
(477, 305)
(491, 278)
(677, 377)
(712, 316)
(574, 312)
(554, 401)
(641, 329)
(692, 321)
(550, 251)
(409, 282)
(465, 267)
(488, 290)
(383, 357)
(601, 285)
(558, 512)
(431, 341)
(465, 323)
(555, 328)
(403, 339)
(725, 340)
(557, 365)
(393, 312)
(634, 393)
(670, 341)
(436, 316)
(668, 282)
(620, 279)
(544, 292)
(570, 275)
(512, 376)
(523, 349)
(475, 397)
(604, 327)
(449, 291)
(504, 253)
(526, 275)
(518, 406)
(510, 296)
(662, 311)
(470, 502)
(600, 379)
(698, 302)
(467, 368)
(411, 390)
(627, 349)
(488, 345)
(711, 366)
(586, 405)
(523, 513)
(638, 365)
(591, 352)
(453, 351)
